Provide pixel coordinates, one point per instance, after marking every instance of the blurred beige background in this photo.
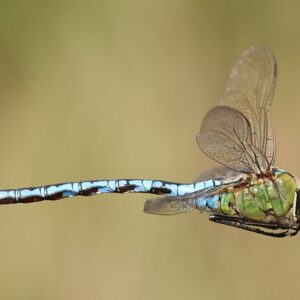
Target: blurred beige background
(112, 89)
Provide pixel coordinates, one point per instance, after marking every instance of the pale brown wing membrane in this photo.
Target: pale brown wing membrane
(169, 205)
(250, 90)
(219, 173)
(225, 136)
(238, 133)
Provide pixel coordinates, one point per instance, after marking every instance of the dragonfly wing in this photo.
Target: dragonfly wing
(250, 91)
(169, 205)
(225, 136)
(220, 173)
(181, 204)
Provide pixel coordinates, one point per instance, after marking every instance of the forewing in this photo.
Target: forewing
(225, 136)
(250, 90)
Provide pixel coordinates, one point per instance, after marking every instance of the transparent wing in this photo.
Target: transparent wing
(220, 173)
(250, 91)
(225, 136)
(181, 204)
(169, 205)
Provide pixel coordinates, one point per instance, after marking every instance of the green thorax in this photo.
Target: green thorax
(266, 199)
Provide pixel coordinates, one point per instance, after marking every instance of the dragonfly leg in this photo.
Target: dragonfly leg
(295, 230)
(252, 226)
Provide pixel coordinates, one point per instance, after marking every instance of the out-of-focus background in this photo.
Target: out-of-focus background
(116, 89)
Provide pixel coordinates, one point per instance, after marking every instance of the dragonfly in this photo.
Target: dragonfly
(247, 192)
